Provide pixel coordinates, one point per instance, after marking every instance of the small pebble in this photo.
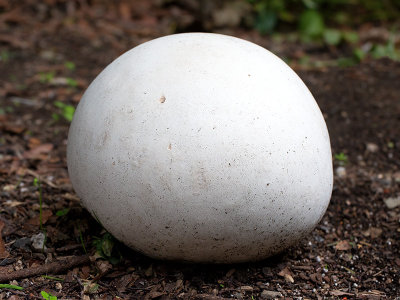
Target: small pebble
(38, 241)
(270, 294)
(392, 202)
(372, 148)
(22, 243)
(341, 172)
(319, 239)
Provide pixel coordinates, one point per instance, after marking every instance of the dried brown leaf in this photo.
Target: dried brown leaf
(37, 152)
(125, 10)
(46, 214)
(230, 273)
(246, 288)
(287, 274)
(153, 295)
(3, 251)
(375, 232)
(343, 245)
(104, 266)
(13, 40)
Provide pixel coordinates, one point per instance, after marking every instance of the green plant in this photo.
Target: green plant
(62, 212)
(320, 20)
(67, 111)
(268, 12)
(332, 36)
(46, 77)
(105, 247)
(341, 158)
(311, 25)
(5, 56)
(47, 296)
(347, 61)
(69, 65)
(72, 82)
(7, 109)
(37, 183)
(388, 50)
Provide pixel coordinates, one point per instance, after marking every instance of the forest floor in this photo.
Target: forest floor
(48, 58)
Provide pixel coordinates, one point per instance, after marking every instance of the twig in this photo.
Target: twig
(209, 297)
(69, 247)
(48, 182)
(52, 268)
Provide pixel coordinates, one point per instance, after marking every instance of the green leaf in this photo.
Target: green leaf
(55, 116)
(93, 288)
(5, 56)
(332, 36)
(47, 296)
(72, 82)
(346, 61)
(266, 21)
(359, 54)
(68, 112)
(350, 37)
(310, 4)
(341, 17)
(69, 65)
(107, 244)
(46, 77)
(58, 104)
(115, 259)
(311, 24)
(62, 212)
(287, 16)
(388, 50)
(341, 157)
(11, 286)
(379, 51)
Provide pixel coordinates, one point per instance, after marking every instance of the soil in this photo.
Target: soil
(352, 254)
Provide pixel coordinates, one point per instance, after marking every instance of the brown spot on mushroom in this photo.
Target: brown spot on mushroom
(162, 99)
(169, 147)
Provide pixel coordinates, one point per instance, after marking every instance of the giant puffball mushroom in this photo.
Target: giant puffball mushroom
(201, 147)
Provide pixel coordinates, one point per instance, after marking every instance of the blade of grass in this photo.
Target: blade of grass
(37, 183)
(11, 286)
(81, 239)
(52, 278)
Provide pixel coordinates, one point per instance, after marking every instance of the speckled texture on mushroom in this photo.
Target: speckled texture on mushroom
(203, 148)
